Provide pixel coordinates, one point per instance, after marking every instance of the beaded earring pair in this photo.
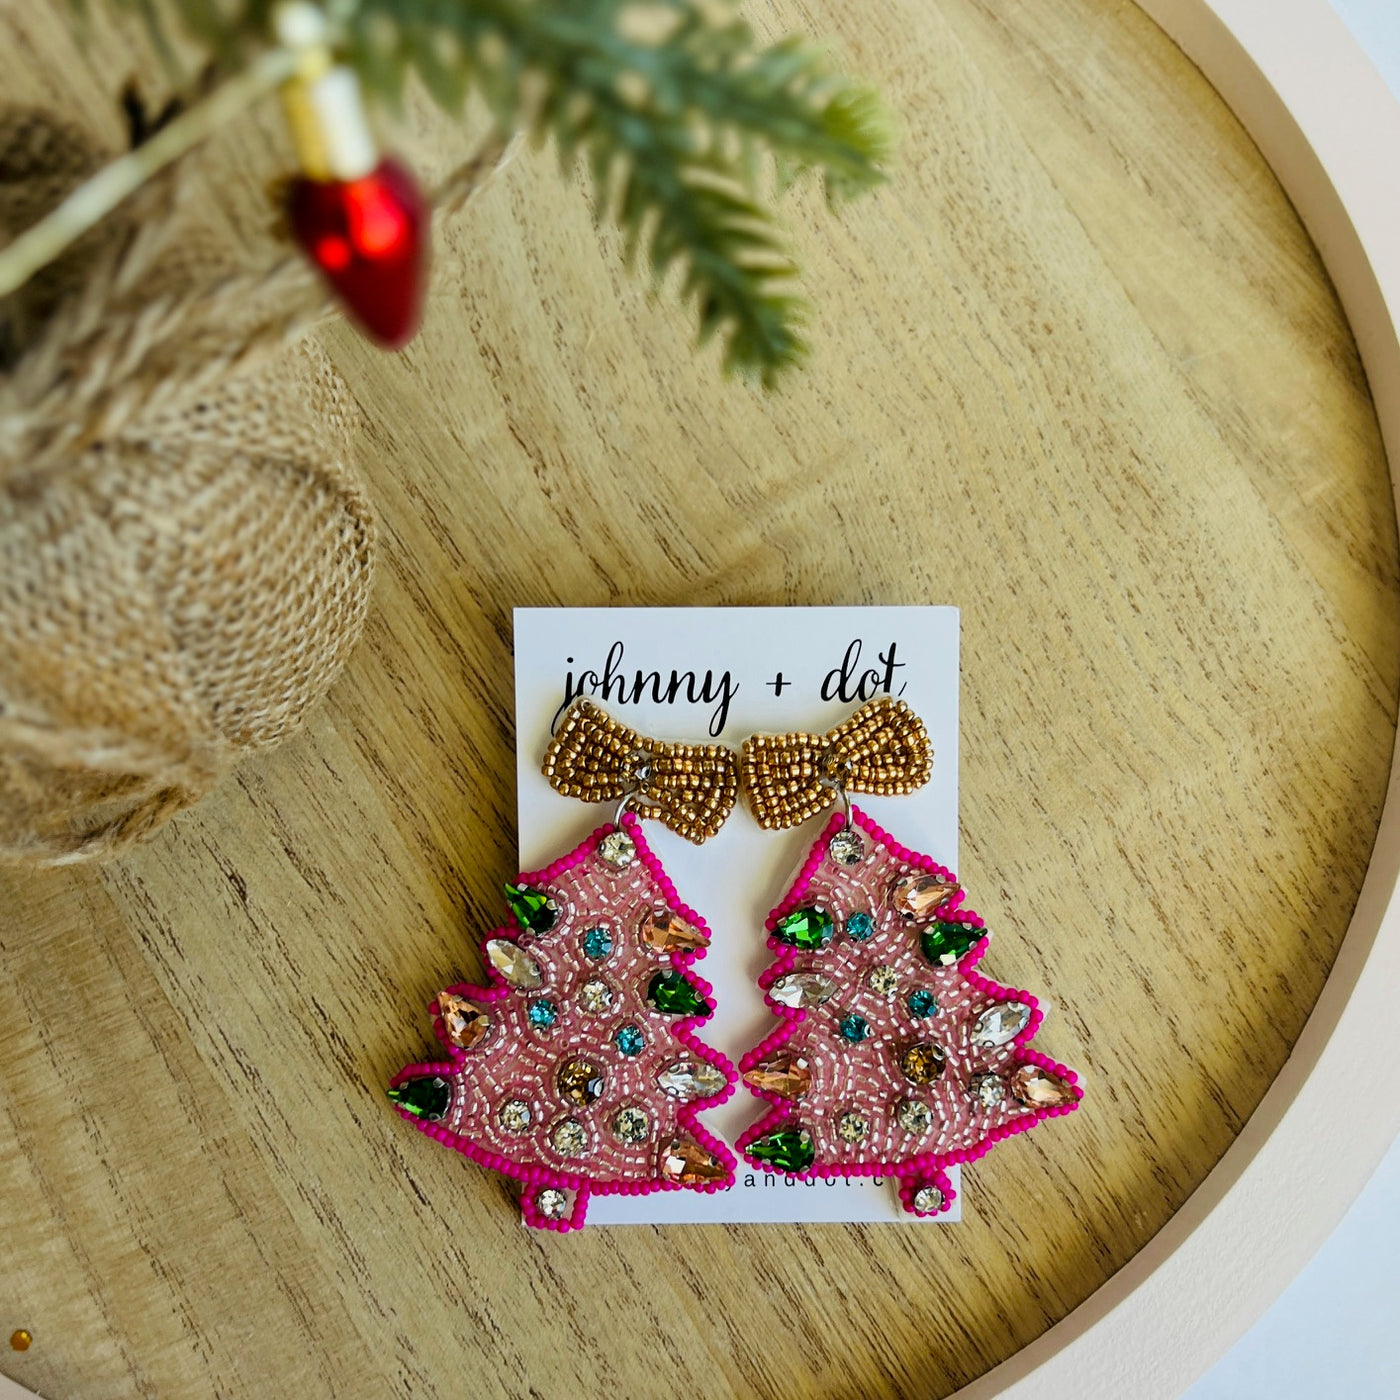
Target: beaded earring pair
(578, 1070)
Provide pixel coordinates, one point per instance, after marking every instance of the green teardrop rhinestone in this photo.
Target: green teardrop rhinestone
(671, 993)
(427, 1097)
(945, 943)
(809, 929)
(789, 1149)
(533, 909)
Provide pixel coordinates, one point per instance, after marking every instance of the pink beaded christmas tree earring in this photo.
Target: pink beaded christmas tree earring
(894, 1057)
(577, 1070)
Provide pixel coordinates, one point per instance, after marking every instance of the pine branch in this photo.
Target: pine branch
(674, 115)
(672, 104)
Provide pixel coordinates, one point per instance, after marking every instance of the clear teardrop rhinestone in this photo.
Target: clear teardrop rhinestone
(1000, 1024)
(691, 1079)
(802, 989)
(514, 963)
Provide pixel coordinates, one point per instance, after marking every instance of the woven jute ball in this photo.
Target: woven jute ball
(186, 551)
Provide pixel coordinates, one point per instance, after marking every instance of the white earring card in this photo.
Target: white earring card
(717, 675)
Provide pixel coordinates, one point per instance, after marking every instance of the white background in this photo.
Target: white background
(1334, 1330)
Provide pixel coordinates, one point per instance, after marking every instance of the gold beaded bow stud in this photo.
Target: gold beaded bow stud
(691, 788)
(883, 749)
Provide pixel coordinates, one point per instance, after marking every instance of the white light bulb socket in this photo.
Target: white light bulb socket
(330, 124)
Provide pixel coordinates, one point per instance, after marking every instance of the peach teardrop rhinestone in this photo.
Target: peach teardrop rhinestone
(667, 932)
(687, 1163)
(465, 1022)
(1038, 1088)
(786, 1074)
(918, 897)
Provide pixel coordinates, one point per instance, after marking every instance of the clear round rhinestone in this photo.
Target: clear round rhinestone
(928, 1200)
(595, 997)
(914, 1117)
(851, 1127)
(515, 1115)
(552, 1203)
(617, 850)
(847, 847)
(884, 980)
(987, 1089)
(632, 1125)
(571, 1138)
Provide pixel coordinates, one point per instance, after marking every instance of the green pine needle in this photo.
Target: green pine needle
(672, 104)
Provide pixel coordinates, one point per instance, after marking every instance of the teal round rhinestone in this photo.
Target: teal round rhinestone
(597, 943)
(853, 1029)
(860, 925)
(922, 1003)
(542, 1012)
(629, 1040)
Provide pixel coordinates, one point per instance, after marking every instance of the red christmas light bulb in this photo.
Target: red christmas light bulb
(357, 216)
(369, 238)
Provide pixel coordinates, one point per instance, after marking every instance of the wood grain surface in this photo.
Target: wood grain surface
(1078, 371)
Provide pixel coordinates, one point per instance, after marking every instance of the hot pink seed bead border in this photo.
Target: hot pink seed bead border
(926, 1168)
(583, 1186)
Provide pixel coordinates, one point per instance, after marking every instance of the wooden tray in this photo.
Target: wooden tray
(1079, 371)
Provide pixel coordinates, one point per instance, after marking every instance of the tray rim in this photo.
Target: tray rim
(1328, 124)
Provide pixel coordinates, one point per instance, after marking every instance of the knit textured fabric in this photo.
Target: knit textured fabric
(186, 551)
